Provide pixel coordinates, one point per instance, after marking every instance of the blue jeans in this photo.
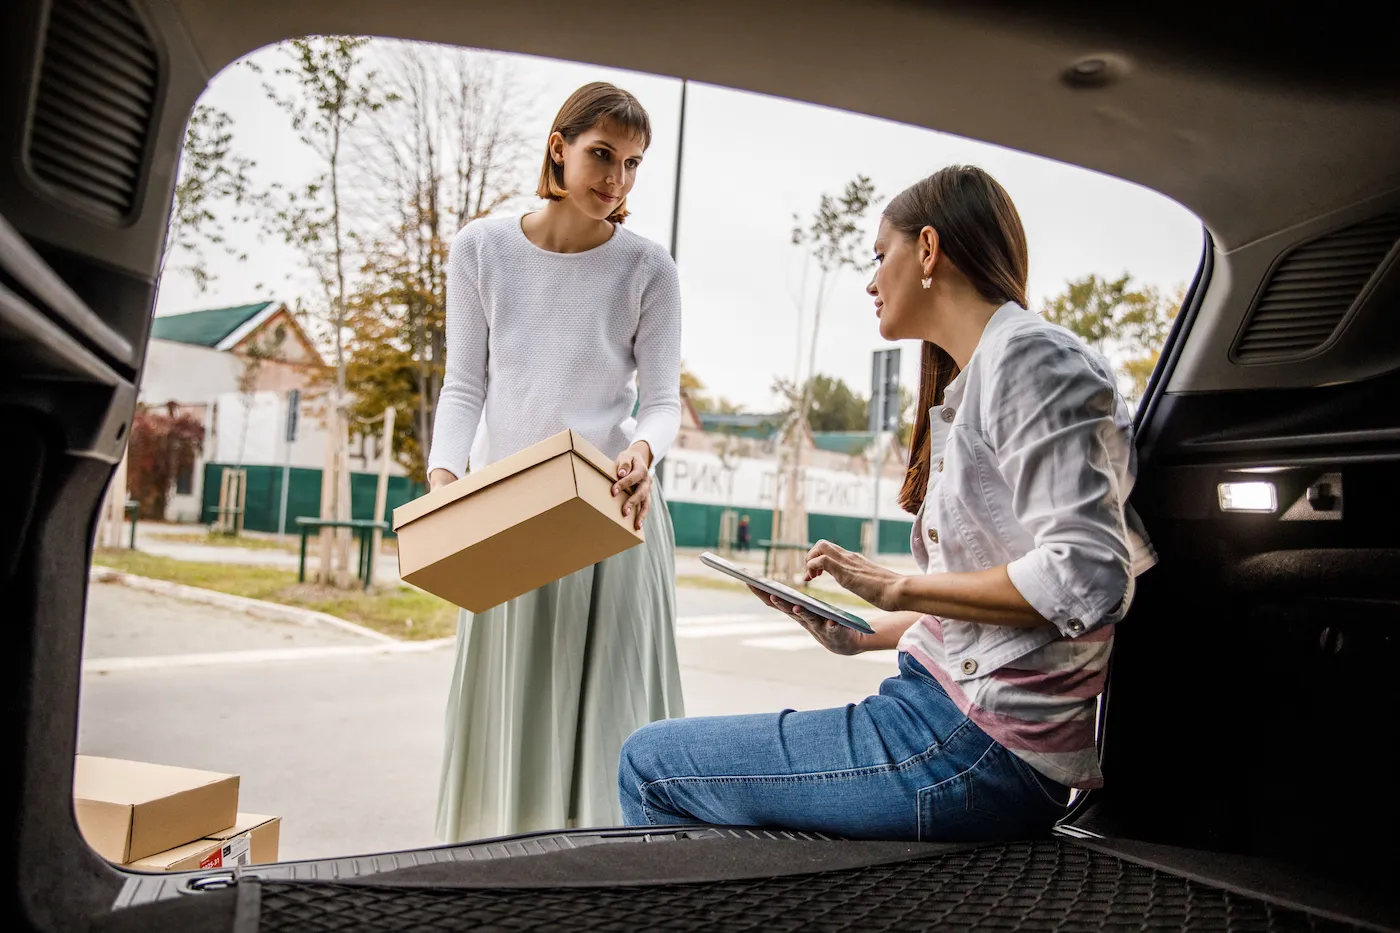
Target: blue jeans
(903, 764)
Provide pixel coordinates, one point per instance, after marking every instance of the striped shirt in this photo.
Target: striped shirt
(1033, 462)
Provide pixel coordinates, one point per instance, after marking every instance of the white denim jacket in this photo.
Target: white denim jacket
(1033, 461)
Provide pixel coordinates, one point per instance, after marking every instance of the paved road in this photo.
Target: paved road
(343, 740)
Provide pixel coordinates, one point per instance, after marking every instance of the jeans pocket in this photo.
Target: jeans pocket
(948, 813)
(989, 801)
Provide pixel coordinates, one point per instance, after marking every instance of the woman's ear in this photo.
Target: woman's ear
(556, 147)
(928, 250)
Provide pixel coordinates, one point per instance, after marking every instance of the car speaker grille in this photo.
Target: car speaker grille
(92, 113)
(1028, 886)
(1312, 289)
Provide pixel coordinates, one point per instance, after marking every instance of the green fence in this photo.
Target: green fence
(697, 526)
(264, 499)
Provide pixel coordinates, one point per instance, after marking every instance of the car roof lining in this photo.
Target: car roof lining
(1266, 147)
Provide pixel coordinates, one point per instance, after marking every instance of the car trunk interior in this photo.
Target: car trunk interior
(1249, 714)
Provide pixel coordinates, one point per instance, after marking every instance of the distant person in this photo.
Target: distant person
(1019, 473)
(557, 320)
(742, 536)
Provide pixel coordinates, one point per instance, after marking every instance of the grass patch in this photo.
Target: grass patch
(400, 611)
(836, 598)
(211, 539)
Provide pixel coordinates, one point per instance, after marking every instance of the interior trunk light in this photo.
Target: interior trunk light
(1248, 497)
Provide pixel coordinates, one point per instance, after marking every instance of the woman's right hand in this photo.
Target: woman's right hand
(836, 638)
(439, 478)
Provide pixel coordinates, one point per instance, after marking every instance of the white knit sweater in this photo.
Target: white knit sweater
(540, 342)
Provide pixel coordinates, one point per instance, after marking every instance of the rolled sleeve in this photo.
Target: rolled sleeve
(1051, 433)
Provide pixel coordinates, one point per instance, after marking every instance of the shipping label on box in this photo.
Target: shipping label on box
(236, 851)
(524, 521)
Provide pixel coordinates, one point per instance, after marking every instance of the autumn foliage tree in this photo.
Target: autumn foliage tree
(1125, 322)
(445, 150)
(165, 442)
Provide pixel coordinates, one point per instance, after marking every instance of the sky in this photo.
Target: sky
(750, 163)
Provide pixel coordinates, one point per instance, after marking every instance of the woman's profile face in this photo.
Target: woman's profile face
(896, 286)
(600, 167)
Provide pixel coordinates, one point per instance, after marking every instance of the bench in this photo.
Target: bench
(364, 529)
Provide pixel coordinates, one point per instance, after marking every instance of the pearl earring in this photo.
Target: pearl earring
(927, 281)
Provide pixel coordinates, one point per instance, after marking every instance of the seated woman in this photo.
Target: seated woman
(1019, 474)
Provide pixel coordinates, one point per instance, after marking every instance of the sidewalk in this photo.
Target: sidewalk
(168, 541)
(171, 541)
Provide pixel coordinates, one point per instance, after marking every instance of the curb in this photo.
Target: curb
(257, 608)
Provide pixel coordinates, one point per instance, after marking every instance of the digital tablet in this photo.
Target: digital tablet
(796, 597)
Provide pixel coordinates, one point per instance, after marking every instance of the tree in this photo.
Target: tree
(332, 90)
(834, 406)
(446, 149)
(833, 239)
(209, 175)
(164, 444)
(1125, 323)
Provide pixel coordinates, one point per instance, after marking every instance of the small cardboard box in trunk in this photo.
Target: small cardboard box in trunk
(512, 527)
(128, 810)
(251, 841)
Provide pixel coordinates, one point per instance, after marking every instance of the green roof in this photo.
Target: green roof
(760, 427)
(205, 328)
(843, 442)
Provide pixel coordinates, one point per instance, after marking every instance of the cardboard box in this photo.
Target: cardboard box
(264, 833)
(516, 525)
(128, 810)
(203, 853)
(252, 840)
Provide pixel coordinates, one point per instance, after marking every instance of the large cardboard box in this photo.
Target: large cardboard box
(128, 810)
(516, 525)
(252, 840)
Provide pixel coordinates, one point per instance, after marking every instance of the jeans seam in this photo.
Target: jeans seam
(837, 775)
(1033, 776)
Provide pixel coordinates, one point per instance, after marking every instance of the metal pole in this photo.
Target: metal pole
(676, 195)
(676, 218)
(879, 456)
(286, 468)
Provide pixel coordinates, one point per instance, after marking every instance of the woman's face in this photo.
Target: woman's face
(900, 298)
(600, 167)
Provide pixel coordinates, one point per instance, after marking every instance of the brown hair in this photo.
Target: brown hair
(587, 107)
(980, 233)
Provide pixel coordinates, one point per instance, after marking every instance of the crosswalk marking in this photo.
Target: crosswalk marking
(730, 629)
(774, 634)
(783, 642)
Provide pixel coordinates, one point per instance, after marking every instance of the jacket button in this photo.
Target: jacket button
(969, 666)
(940, 464)
(933, 535)
(947, 415)
(1076, 626)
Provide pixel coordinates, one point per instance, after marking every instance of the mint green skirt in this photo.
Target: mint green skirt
(547, 687)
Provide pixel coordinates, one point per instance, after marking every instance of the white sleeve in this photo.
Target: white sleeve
(1051, 432)
(463, 393)
(657, 349)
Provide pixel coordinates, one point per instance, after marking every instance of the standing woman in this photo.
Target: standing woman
(557, 320)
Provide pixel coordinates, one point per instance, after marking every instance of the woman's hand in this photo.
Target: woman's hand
(838, 639)
(439, 478)
(634, 481)
(864, 578)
